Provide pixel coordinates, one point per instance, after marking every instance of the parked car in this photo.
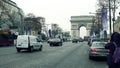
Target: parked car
(97, 49)
(28, 42)
(55, 42)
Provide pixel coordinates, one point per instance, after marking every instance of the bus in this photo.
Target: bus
(7, 38)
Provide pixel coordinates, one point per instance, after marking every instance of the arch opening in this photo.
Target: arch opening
(82, 31)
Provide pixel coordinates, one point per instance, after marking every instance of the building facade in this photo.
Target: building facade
(11, 16)
(117, 25)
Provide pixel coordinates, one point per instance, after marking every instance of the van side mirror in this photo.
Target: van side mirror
(38, 40)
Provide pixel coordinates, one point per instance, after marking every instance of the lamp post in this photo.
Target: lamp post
(114, 7)
(110, 16)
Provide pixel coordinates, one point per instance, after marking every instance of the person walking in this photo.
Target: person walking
(115, 38)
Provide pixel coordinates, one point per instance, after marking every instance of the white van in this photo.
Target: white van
(28, 42)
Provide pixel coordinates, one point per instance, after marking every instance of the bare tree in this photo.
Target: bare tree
(33, 22)
(13, 17)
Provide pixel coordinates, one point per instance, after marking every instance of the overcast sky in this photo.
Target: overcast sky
(57, 11)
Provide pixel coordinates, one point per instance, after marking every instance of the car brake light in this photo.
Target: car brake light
(108, 50)
(94, 50)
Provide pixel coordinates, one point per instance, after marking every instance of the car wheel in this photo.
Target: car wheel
(40, 49)
(60, 44)
(31, 49)
(18, 50)
(51, 44)
(90, 57)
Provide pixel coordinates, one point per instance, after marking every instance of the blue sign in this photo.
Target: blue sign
(104, 18)
(105, 34)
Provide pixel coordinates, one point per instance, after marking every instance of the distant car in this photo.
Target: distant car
(28, 42)
(80, 40)
(96, 39)
(86, 38)
(55, 42)
(75, 40)
(97, 49)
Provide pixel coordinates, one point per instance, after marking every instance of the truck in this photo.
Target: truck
(7, 37)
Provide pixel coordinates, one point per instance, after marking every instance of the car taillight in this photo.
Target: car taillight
(94, 50)
(108, 50)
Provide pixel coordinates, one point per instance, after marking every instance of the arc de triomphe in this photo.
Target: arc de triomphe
(79, 21)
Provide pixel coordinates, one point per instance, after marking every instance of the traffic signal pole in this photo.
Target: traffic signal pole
(110, 16)
(114, 14)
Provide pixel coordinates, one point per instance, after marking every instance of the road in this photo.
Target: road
(70, 55)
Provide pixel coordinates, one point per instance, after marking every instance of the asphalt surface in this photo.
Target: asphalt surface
(70, 55)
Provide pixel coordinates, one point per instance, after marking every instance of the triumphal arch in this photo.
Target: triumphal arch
(79, 21)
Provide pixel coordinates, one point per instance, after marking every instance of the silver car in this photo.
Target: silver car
(97, 49)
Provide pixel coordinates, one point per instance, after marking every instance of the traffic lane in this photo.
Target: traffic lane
(55, 57)
(10, 57)
(75, 58)
(78, 58)
(7, 50)
(64, 56)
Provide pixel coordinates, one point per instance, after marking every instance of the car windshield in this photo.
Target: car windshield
(98, 44)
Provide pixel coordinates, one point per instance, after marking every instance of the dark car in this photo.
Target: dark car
(55, 42)
(97, 49)
(75, 40)
(80, 40)
(86, 38)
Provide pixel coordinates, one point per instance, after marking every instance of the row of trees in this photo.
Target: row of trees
(12, 18)
(33, 23)
(111, 6)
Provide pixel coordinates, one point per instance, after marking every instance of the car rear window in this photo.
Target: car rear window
(98, 44)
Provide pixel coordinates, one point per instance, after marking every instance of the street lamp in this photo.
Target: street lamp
(110, 16)
(113, 19)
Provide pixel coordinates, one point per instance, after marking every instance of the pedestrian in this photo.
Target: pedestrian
(89, 41)
(115, 37)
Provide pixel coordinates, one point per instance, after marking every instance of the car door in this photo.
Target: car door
(34, 43)
(38, 43)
